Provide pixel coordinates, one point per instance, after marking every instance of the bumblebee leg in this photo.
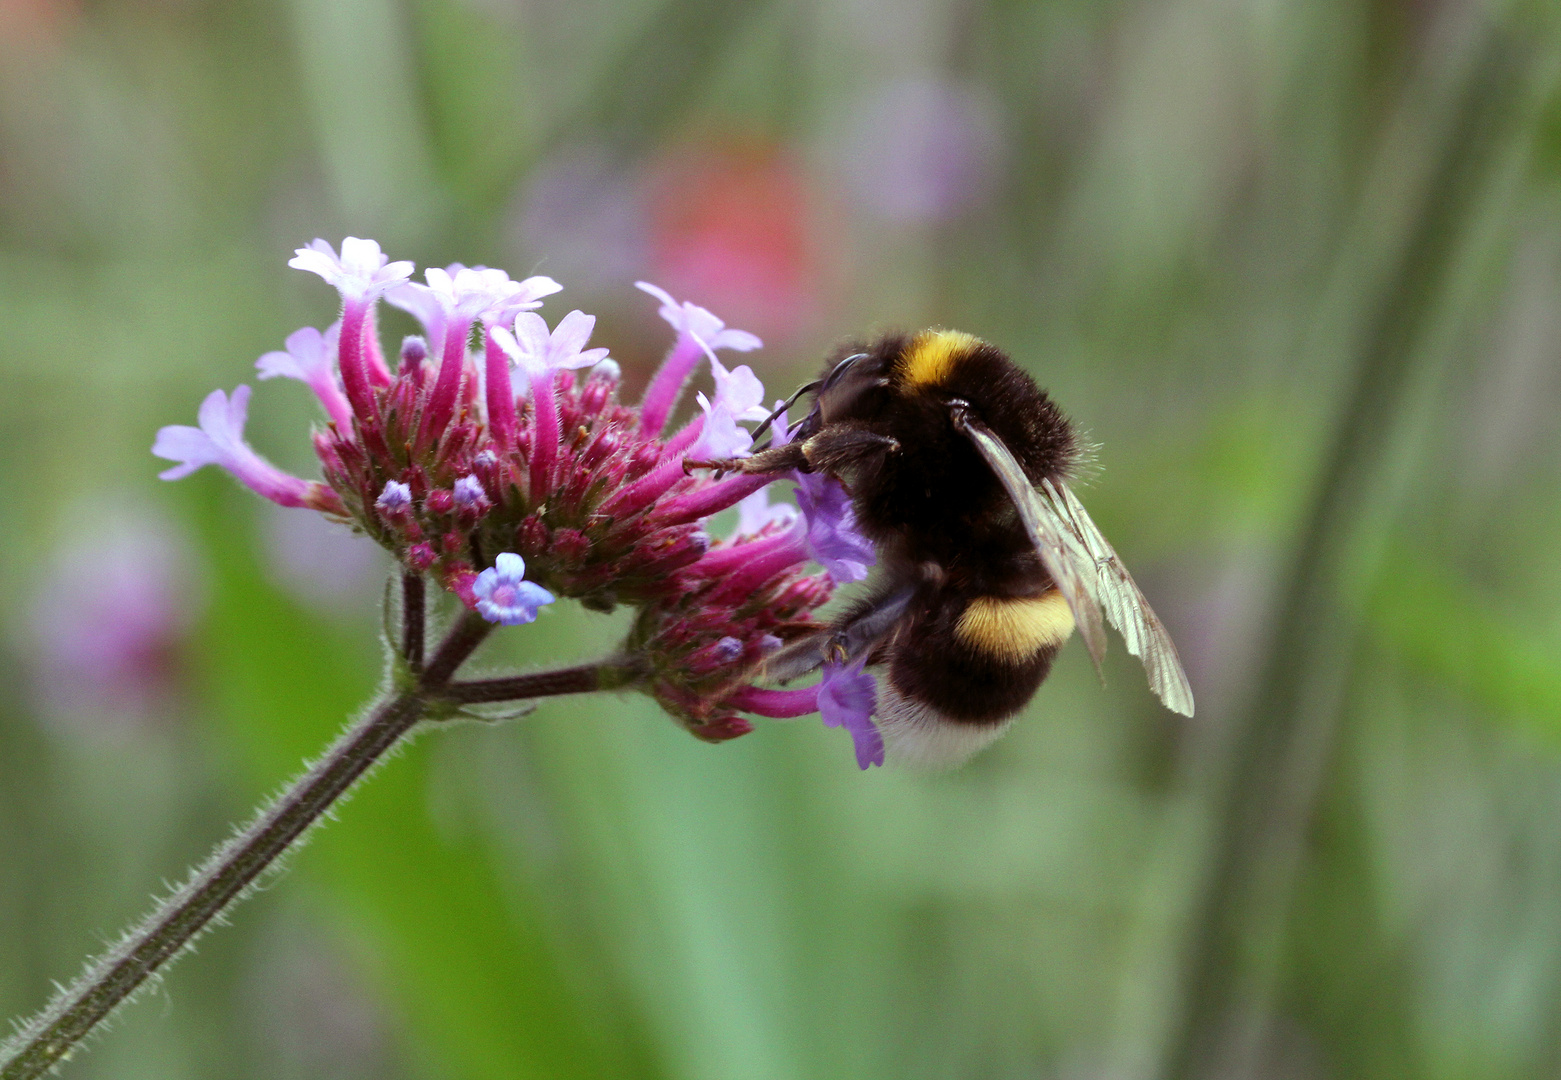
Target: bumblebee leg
(856, 632)
(841, 447)
(777, 459)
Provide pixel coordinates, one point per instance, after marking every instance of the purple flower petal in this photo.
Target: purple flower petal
(466, 293)
(538, 350)
(720, 437)
(503, 594)
(361, 270)
(220, 441)
(689, 318)
(310, 359)
(755, 513)
(469, 493)
(739, 389)
(395, 498)
(833, 539)
(846, 698)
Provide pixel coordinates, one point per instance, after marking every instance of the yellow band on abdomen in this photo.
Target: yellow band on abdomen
(1015, 630)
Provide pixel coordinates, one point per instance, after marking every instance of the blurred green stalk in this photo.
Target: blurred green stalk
(1265, 772)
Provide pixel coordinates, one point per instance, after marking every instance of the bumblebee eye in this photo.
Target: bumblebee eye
(840, 369)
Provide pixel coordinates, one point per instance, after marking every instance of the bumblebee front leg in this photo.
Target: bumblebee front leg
(776, 459)
(830, 451)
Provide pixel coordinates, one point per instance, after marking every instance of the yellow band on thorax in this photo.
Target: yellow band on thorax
(1015, 630)
(932, 354)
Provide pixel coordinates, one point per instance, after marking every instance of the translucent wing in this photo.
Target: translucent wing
(1086, 570)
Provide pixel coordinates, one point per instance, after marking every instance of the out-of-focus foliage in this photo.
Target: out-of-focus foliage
(1294, 266)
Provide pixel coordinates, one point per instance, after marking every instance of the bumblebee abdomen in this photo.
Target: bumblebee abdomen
(977, 660)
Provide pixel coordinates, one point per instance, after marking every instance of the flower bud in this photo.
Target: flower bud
(571, 545)
(606, 445)
(644, 459)
(532, 537)
(439, 501)
(722, 729)
(414, 350)
(395, 501)
(597, 391)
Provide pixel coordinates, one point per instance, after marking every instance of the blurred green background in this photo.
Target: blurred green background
(1294, 266)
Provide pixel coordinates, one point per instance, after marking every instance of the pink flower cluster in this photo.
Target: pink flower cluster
(511, 480)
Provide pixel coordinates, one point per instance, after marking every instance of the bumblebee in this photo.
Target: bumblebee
(958, 466)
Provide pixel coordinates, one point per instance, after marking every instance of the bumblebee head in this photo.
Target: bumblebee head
(862, 380)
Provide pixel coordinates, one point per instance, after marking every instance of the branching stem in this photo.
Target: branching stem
(50, 1037)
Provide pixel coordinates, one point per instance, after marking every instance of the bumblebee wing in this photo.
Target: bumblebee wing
(1062, 551)
(1124, 605)
(1086, 570)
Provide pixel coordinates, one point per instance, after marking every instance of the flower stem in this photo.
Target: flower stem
(413, 618)
(232, 870)
(575, 680)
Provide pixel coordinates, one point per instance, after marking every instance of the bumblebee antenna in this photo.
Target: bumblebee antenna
(788, 403)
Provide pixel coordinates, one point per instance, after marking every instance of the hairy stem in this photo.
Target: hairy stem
(231, 870)
(576, 680)
(49, 1038)
(413, 619)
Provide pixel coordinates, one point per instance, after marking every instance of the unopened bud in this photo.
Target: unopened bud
(715, 655)
(414, 350)
(644, 459)
(722, 729)
(395, 501)
(469, 494)
(439, 501)
(532, 537)
(610, 443)
(571, 544)
(599, 387)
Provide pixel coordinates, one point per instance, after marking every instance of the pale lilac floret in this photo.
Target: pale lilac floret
(310, 358)
(469, 493)
(538, 350)
(462, 294)
(395, 499)
(505, 596)
(755, 513)
(720, 437)
(738, 396)
(740, 389)
(699, 323)
(361, 271)
(846, 698)
(220, 441)
(700, 333)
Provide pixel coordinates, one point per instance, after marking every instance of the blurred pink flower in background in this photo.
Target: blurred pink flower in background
(109, 623)
(33, 24)
(920, 150)
(731, 223)
(728, 220)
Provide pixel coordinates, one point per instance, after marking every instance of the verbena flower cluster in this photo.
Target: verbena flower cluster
(482, 457)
